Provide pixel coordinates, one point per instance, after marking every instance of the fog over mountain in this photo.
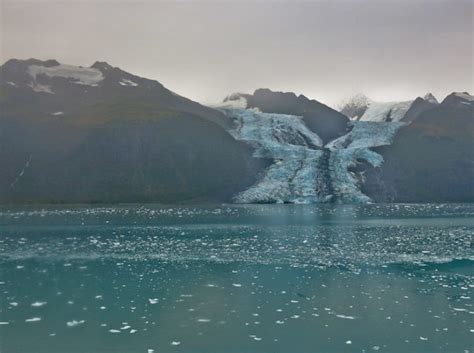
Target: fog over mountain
(326, 50)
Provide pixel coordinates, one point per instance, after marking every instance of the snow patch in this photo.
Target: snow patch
(80, 75)
(125, 82)
(40, 88)
(25, 167)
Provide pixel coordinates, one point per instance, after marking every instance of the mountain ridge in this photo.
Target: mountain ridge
(100, 134)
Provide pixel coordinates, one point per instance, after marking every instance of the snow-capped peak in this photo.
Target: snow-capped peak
(464, 95)
(429, 97)
(355, 107)
(358, 99)
(102, 65)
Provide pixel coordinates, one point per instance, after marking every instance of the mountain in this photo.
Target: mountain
(326, 122)
(418, 106)
(100, 134)
(431, 159)
(362, 108)
(48, 87)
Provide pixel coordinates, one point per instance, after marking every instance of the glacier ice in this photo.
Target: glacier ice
(294, 149)
(386, 111)
(304, 170)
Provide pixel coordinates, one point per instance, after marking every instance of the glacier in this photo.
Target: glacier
(348, 150)
(303, 169)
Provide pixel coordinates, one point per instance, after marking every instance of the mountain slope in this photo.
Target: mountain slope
(432, 159)
(99, 134)
(48, 87)
(419, 106)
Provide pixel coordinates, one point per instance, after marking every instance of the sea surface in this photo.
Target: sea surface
(243, 279)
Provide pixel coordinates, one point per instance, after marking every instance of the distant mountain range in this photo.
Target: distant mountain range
(100, 134)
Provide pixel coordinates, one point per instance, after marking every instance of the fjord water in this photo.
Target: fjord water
(246, 278)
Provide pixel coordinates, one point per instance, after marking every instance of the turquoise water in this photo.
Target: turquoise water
(259, 278)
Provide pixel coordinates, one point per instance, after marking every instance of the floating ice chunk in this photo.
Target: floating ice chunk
(346, 317)
(38, 304)
(33, 319)
(74, 323)
(175, 343)
(153, 300)
(348, 342)
(236, 284)
(57, 113)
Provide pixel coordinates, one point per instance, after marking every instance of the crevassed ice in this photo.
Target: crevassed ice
(81, 75)
(356, 145)
(304, 170)
(294, 148)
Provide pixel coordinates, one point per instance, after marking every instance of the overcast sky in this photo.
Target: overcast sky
(327, 50)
